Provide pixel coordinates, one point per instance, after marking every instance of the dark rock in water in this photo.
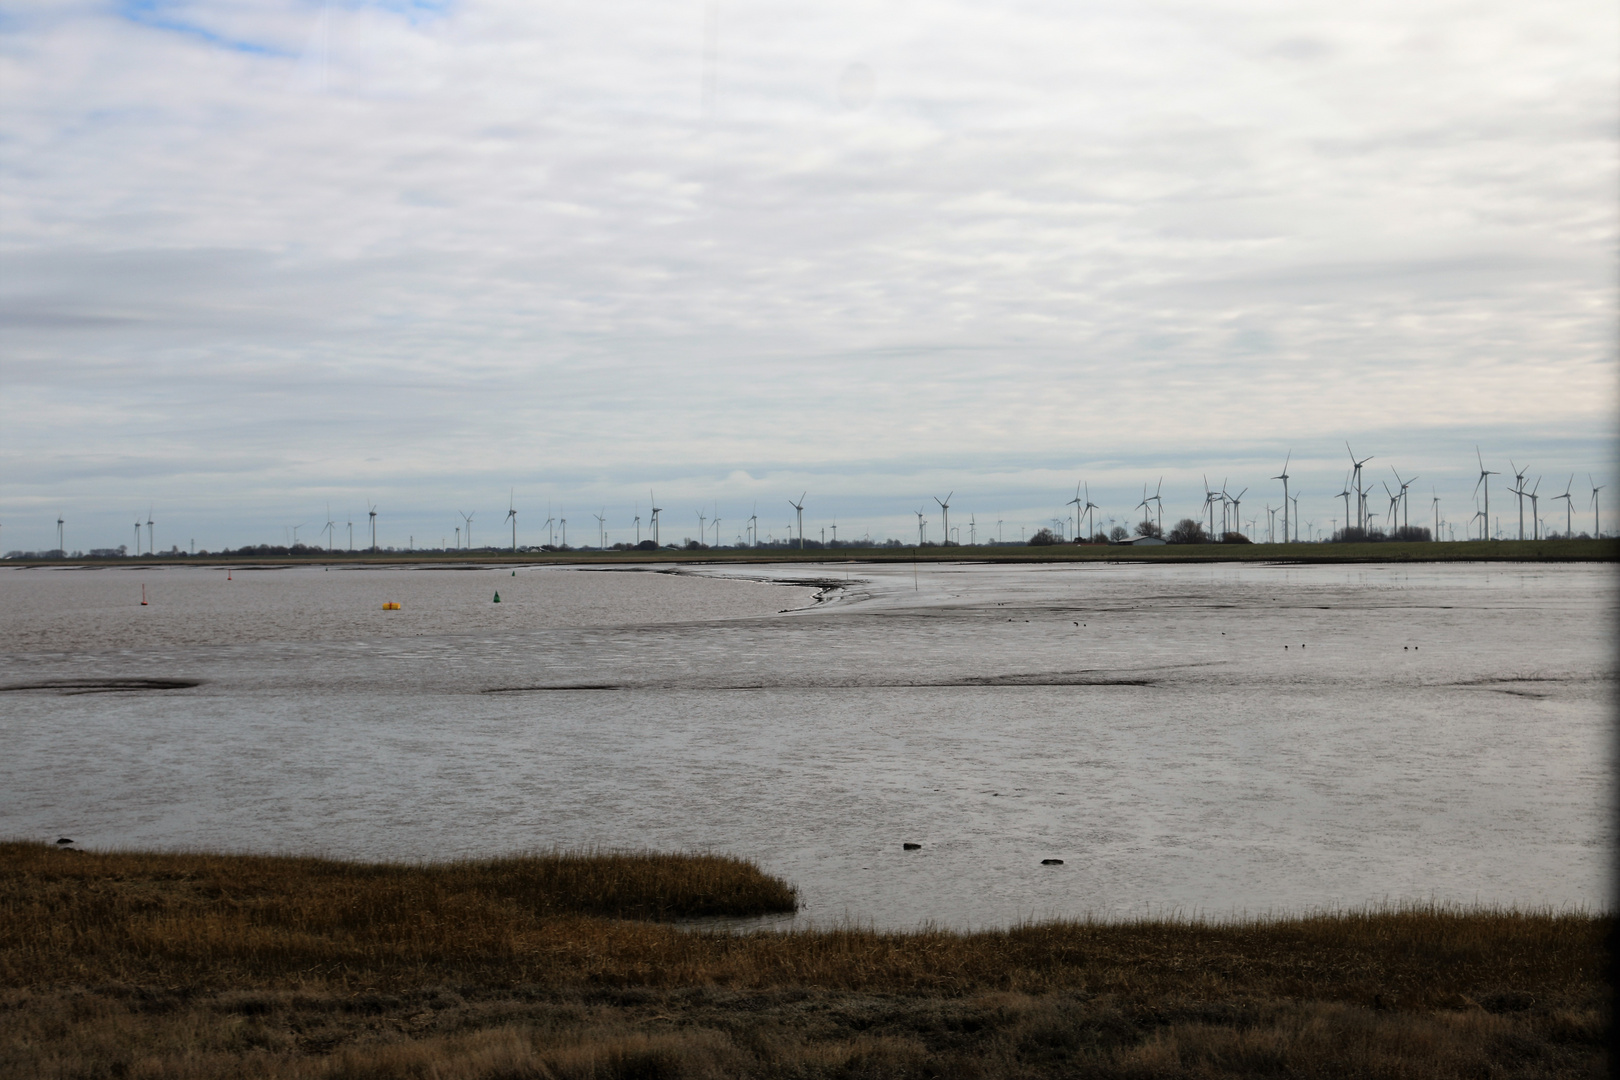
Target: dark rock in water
(64, 840)
(1051, 862)
(910, 847)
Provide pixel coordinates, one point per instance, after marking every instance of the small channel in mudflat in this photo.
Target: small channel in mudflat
(1209, 739)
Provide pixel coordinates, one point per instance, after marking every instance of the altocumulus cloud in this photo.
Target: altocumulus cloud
(258, 256)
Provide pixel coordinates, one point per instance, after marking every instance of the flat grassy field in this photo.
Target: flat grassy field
(573, 966)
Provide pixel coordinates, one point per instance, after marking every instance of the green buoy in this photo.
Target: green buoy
(497, 598)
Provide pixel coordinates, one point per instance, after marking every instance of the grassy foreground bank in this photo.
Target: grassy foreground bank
(179, 965)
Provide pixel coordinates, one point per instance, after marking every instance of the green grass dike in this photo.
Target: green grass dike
(562, 966)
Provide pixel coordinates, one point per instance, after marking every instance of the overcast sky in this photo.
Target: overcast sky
(258, 256)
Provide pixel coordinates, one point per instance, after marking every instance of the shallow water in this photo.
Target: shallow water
(1205, 739)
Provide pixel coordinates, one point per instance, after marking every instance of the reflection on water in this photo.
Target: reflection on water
(1201, 738)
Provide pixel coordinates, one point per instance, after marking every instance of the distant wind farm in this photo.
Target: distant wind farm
(1367, 508)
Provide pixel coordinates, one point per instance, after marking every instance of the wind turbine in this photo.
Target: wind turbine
(652, 501)
(372, 510)
(1535, 512)
(1271, 523)
(151, 548)
(1237, 507)
(1569, 503)
(1406, 510)
(945, 511)
(1436, 501)
(295, 529)
(601, 529)
(1079, 508)
(921, 535)
(1296, 518)
(716, 524)
(330, 530)
(1518, 479)
(1159, 504)
(468, 519)
(799, 506)
(1485, 479)
(350, 523)
(703, 537)
(1143, 505)
(563, 522)
(638, 530)
(1361, 496)
(1393, 514)
(1596, 520)
(1091, 520)
(973, 531)
(511, 514)
(60, 545)
(137, 537)
(551, 529)
(1345, 495)
(1283, 476)
(753, 526)
(1209, 503)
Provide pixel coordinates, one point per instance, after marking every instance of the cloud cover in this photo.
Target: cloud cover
(260, 255)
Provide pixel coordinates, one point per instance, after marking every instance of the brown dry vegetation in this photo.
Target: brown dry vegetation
(179, 965)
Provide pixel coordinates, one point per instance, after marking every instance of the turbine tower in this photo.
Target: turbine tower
(468, 519)
(1518, 489)
(1361, 496)
(1569, 504)
(151, 548)
(372, 510)
(920, 533)
(1283, 476)
(62, 547)
(753, 527)
(1091, 520)
(601, 529)
(1485, 479)
(945, 512)
(137, 538)
(511, 513)
(1597, 522)
(799, 506)
(652, 501)
(1079, 507)
(1237, 508)
(1345, 495)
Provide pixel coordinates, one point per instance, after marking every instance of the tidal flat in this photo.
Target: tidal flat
(1167, 820)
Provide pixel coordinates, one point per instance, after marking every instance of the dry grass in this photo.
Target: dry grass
(203, 965)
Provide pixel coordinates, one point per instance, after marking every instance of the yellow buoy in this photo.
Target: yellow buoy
(390, 606)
